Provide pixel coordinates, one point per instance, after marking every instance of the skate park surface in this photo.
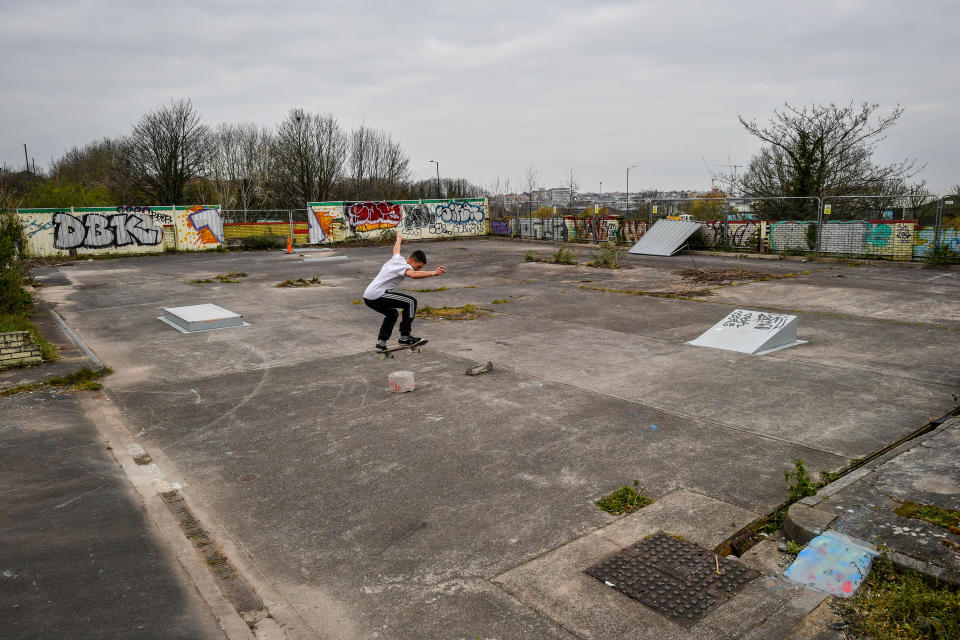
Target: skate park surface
(446, 512)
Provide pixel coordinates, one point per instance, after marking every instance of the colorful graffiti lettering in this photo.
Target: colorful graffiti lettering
(100, 231)
(369, 216)
(324, 222)
(500, 227)
(207, 223)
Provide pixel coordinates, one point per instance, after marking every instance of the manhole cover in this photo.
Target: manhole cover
(248, 477)
(673, 577)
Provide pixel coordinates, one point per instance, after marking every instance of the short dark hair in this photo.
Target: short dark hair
(419, 256)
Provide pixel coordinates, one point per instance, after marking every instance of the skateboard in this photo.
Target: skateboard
(417, 346)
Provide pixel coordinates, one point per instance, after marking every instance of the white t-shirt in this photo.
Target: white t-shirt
(391, 274)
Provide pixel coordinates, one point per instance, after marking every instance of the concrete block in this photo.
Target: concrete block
(803, 523)
(401, 381)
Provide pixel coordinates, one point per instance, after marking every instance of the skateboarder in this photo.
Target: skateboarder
(380, 297)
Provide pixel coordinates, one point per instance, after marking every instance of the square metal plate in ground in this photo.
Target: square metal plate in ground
(201, 317)
(673, 577)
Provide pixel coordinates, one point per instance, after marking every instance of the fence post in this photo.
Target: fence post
(937, 224)
(819, 223)
(290, 218)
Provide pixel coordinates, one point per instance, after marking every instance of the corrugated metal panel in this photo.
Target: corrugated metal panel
(665, 237)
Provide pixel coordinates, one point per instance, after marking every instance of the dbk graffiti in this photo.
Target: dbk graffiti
(99, 231)
(369, 216)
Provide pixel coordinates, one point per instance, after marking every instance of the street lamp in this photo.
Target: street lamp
(439, 193)
(628, 187)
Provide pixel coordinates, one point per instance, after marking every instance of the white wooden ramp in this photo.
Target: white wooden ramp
(665, 238)
(753, 332)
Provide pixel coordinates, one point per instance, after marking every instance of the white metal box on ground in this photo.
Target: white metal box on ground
(201, 317)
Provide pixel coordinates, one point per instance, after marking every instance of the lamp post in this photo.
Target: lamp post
(628, 187)
(439, 193)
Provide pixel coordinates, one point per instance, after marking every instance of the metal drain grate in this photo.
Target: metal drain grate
(673, 577)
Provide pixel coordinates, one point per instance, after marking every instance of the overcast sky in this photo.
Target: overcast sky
(492, 87)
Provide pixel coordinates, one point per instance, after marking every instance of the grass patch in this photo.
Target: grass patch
(928, 513)
(232, 277)
(429, 290)
(504, 301)
(901, 604)
(607, 256)
(710, 275)
(300, 282)
(794, 547)
(356, 301)
(940, 255)
(563, 255)
(86, 379)
(624, 500)
(465, 312)
(22, 322)
(531, 256)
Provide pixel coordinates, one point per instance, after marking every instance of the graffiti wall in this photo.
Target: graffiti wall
(198, 227)
(336, 221)
(890, 239)
(923, 240)
(124, 229)
(740, 233)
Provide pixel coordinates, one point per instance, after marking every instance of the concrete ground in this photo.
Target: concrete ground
(465, 508)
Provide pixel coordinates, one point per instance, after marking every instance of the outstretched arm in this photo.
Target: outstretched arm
(396, 245)
(426, 274)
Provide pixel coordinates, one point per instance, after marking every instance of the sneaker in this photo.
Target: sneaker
(409, 340)
(380, 346)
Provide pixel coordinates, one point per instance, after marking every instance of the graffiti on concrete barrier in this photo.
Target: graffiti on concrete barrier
(460, 212)
(32, 227)
(325, 223)
(101, 231)
(208, 224)
(418, 216)
(369, 216)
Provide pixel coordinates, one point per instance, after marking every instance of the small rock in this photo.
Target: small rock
(839, 626)
(477, 369)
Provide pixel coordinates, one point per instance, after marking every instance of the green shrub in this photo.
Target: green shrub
(530, 256)
(940, 255)
(14, 298)
(264, 242)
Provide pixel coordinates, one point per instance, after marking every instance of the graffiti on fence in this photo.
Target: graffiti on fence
(370, 216)
(500, 227)
(103, 231)
(739, 233)
(923, 240)
(632, 230)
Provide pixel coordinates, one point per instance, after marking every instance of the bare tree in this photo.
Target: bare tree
(820, 151)
(307, 158)
(573, 183)
(531, 183)
(165, 150)
(379, 168)
(237, 165)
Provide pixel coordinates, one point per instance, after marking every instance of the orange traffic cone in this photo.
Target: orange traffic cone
(289, 247)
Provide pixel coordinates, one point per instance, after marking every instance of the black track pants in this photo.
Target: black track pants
(387, 304)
